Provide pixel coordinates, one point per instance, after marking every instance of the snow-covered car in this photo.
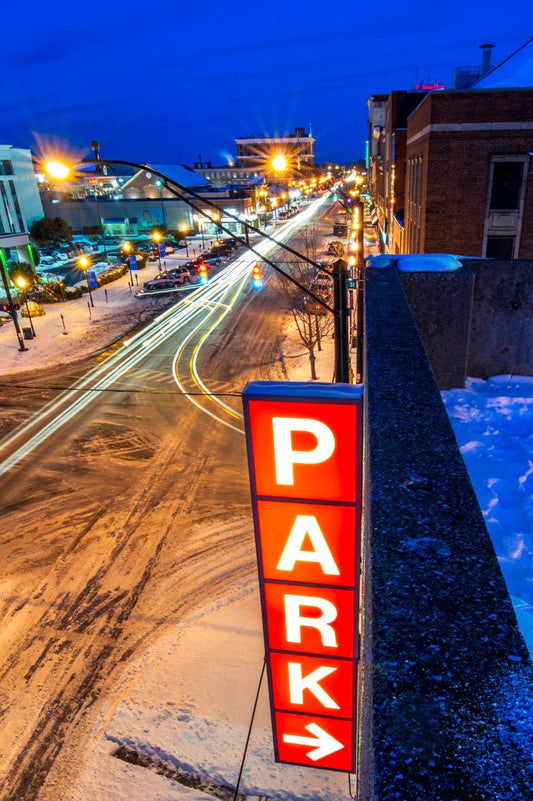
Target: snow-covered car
(170, 275)
(154, 288)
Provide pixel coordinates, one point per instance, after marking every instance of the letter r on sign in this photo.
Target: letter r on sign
(294, 620)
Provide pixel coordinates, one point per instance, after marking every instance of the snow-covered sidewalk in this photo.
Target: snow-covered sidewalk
(74, 329)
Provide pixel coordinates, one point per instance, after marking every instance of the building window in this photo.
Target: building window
(500, 247)
(7, 210)
(506, 184)
(6, 168)
(16, 205)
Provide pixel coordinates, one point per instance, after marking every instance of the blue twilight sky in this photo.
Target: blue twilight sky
(164, 82)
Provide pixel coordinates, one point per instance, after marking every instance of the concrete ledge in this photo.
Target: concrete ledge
(442, 306)
(446, 676)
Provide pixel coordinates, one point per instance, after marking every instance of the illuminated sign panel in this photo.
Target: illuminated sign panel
(304, 453)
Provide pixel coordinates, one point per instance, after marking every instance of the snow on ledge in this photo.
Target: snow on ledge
(420, 262)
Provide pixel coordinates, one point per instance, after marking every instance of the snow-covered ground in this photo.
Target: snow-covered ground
(493, 424)
(184, 706)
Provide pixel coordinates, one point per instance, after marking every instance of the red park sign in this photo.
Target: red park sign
(304, 455)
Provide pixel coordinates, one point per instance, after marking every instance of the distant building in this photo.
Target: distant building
(465, 77)
(228, 176)
(20, 202)
(133, 205)
(253, 163)
(452, 171)
(387, 164)
(469, 183)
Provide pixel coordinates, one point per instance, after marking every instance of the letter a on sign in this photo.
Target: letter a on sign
(304, 455)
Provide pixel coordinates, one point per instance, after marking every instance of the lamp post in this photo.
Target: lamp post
(127, 247)
(159, 185)
(12, 308)
(21, 282)
(84, 263)
(99, 168)
(184, 228)
(156, 236)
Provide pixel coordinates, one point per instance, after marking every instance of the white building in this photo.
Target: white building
(20, 202)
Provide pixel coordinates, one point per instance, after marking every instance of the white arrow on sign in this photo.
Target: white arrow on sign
(324, 742)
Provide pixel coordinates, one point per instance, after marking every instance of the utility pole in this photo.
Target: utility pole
(340, 305)
(359, 293)
(12, 310)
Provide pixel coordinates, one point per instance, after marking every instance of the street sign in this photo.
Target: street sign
(162, 249)
(133, 262)
(304, 456)
(352, 283)
(91, 279)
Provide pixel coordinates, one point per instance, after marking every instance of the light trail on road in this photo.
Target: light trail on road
(198, 306)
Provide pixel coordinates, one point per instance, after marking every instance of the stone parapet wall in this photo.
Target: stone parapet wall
(445, 675)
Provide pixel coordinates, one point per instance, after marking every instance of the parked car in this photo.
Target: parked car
(162, 287)
(185, 272)
(222, 250)
(171, 275)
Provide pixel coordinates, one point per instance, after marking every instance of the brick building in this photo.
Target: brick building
(449, 171)
(469, 188)
(387, 171)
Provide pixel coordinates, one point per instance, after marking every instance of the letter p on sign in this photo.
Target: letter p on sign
(286, 457)
(303, 449)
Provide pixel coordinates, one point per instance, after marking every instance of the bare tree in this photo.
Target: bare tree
(312, 320)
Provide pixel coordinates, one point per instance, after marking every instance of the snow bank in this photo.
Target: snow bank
(425, 262)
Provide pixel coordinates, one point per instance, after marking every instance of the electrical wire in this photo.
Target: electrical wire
(52, 388)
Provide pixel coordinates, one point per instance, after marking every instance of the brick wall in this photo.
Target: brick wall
(454, 193)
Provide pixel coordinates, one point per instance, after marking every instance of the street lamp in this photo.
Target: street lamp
(84, 263)
(156, 236)
(127, 247)
(184, 228)
(159, 185)
(99, 168)
(12, 307)
(279, 163)
(21, 282)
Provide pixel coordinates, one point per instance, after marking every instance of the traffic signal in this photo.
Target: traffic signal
(257, 276)
(203, 272)
(7, 308)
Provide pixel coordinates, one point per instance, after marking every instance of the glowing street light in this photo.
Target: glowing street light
(22, 284)
(279, 163)
(57, 169)
(84, 263)
(156, 236)
(60, 171)
(184, 229)
(127, 247)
